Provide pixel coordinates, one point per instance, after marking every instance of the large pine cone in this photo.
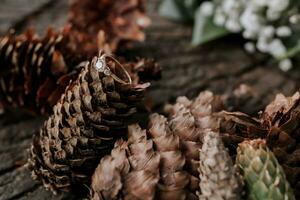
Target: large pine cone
(106, 24)
(32, 70)
(93, 112)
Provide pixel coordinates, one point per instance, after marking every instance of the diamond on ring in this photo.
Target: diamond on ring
(100, 65)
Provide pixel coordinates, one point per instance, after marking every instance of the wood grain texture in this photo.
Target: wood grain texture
(220, 66)
(14, 12)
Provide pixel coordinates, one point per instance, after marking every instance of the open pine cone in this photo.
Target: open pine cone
(92, 113)
(105, 24)
(279, 125)
(32, 70)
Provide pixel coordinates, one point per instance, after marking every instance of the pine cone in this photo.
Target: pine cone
(148, 166)
(188, 120)
(282, 120)
(106, 24)
(218, 177)
(93, 112)
(263, 175)
(32, 70)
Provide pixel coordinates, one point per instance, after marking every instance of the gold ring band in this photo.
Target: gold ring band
(101, 65)
(123, 69)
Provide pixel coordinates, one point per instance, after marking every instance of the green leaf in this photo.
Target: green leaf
(293, 47)
(179, 10)
(205, 30)
(170, 9)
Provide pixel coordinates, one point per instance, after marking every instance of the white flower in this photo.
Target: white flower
(230, 5)
(285, 65)
(251, 21)
(273, 15)
(207, 8)
(294, 19)
(233, 26)
(249, 35)
(249, 47)
(259, 3)
(276, 48)
(268, 31)
(278, 5)
(262, 45)
(219, 18)
(284, 31)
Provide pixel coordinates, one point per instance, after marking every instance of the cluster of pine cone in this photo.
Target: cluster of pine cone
(185, 156)
(199, 151)
(92, 136)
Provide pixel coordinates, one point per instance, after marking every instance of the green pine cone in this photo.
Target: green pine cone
(263, 176)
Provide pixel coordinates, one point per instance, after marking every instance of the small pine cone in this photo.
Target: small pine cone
(263, 175)
(188, 120)
(106, 24)
(32, 70)
(219, 179)
(93, 112)
(148, 166)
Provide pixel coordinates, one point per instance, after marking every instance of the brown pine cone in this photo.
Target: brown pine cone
(188, 120)
(32, 70)
(92, 113)
(148, 166)
(282, 120)
(235, 127)
(106, 24)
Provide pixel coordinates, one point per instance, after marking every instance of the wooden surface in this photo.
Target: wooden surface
(220, 66)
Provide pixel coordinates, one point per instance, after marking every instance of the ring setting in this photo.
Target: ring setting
(101, 65)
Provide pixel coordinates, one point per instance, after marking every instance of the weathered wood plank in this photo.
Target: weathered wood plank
(13, 12)
(14, 140)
